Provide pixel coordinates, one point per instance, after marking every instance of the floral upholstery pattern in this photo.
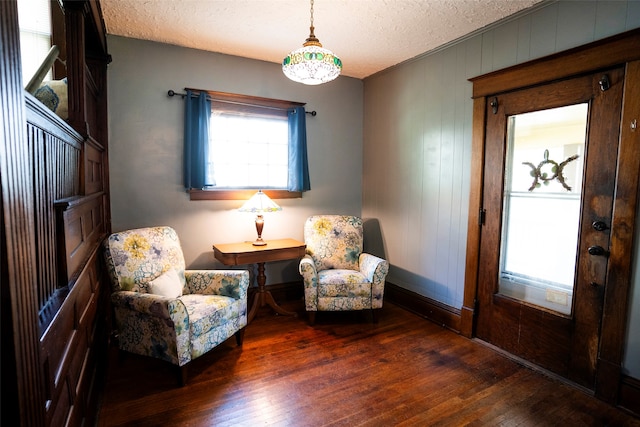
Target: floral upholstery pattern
(337, 274)
(212, 308)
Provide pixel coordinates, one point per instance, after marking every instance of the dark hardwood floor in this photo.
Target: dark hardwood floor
(346, 371)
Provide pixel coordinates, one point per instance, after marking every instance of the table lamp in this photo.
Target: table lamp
(259, 203)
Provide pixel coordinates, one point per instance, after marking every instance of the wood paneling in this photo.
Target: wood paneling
(55, 152)
(81, 228)
(630, 394)
(93, 167)
(77, 78)
(22, 380)
(53, 304)
(68, 347)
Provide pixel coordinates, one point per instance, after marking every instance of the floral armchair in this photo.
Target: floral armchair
(337, 275)
(164, 311)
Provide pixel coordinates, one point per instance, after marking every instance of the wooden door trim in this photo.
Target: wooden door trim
(606, 53)
(614, 319)
(618, 50)
(469, 306)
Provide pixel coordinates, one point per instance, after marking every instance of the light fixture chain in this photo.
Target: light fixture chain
(311, 13)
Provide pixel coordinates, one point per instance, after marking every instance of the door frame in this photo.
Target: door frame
(614, 51)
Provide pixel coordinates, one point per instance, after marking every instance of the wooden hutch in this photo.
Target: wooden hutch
(55, 214)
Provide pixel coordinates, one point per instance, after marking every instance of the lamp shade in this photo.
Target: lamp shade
(260, 203)
(311, 65)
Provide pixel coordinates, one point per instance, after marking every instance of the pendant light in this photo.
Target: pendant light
(311, 64)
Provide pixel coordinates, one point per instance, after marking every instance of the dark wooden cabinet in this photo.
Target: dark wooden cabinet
(55, 214)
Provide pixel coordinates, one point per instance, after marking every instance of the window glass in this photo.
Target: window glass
(34, 17)
(248, 147)
(543, 184)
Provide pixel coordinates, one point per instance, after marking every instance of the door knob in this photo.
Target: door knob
(597, 251)
(599, 226)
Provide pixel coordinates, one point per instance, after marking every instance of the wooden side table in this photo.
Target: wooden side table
(246, 253)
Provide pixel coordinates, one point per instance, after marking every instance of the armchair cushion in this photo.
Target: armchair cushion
(208, 311)
(334, 241)
(212, 319)
(168, 284)
(342, 283)
(138, 256)
(345, 290)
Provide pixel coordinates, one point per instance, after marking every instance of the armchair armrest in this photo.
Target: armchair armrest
(375, 269)
(150, 304)
(137, 312)
(230, 283)
(307, 269)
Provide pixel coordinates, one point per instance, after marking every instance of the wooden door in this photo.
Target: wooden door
(547, 209)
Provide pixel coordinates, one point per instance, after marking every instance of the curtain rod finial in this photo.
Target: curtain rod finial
(171, 92)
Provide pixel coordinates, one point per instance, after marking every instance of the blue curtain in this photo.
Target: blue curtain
(298, 163)
(196, 140)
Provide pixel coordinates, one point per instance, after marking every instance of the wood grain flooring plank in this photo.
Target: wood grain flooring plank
(346, 371)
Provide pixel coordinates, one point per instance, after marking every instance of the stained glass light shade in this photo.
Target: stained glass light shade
(311, 64)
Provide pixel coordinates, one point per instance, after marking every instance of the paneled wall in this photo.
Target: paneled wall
(417, 138)
(417, 132)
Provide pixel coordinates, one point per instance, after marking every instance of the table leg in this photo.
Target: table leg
(263, 296)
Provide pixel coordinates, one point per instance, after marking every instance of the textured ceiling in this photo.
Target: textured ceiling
(368, 35)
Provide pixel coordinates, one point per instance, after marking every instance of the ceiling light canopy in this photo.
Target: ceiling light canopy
(311, 64)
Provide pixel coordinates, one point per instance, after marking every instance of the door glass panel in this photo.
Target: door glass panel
(543, 183)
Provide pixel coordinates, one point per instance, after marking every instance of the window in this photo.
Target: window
(237, 144)
(248, 148)
(34, 18)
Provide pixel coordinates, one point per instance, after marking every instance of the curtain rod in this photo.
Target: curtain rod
(172, 93)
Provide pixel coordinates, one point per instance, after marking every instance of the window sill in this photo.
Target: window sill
(241, 194)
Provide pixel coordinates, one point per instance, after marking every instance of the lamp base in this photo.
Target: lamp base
(259, 242)
(259, 225)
